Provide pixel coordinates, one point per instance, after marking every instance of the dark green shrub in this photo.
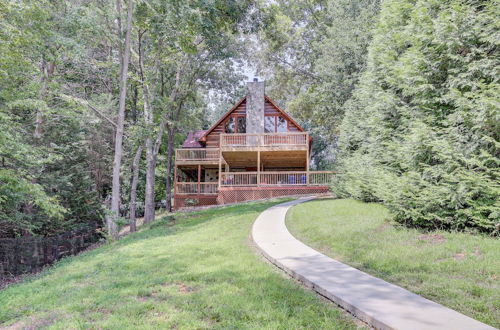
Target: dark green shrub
(422, 131)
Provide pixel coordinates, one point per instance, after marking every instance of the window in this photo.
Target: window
(269, 124)
(280, 124)
(235, 124)
(229, 126)
(275, 124)
(242, 124)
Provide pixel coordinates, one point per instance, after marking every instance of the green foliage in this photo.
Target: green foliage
(314, 52)
(59, 74)
(421, 133)
(46, 184)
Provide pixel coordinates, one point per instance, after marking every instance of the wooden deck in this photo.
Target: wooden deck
(264, 141)
(257, 179)
(195, 156)
(241, 162)
(241, 143)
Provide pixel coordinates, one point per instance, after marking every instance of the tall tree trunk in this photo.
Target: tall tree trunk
(133, 189)
(47, 69)
(149, 195)
(170, 160)
(115, 195)
(170, 156)
(151, 166)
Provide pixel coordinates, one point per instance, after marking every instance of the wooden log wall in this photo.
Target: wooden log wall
(269, 110)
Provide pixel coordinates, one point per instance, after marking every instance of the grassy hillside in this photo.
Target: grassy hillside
(458, 270)
(197, 272)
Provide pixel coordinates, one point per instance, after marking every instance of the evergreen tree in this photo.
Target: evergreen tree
(422, 131)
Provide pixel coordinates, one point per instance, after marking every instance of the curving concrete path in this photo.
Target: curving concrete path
(379, 303)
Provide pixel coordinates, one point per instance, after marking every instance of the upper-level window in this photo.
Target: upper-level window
(281, 124)
(269, 124)
(229, 126)
(275, 124)
(236, 124)
(242, 124)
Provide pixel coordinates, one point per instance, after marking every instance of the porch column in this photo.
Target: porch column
(258, 167)
(199, 178)
(175, 179)
(307, 160)
(220, 162)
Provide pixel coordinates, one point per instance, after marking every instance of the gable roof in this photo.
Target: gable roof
(227, 114)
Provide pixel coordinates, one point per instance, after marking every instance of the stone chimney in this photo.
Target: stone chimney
(255, 106)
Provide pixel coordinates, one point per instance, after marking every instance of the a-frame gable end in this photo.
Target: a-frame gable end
(211, 136)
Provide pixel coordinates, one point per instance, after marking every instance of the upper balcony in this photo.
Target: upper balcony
(264, 141)
(195, 156)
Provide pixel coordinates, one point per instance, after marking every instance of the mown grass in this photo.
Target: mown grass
(199, 272)
(458, 270)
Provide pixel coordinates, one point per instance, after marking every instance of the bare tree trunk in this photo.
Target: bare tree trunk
(133, 188)
(151, 166)
(170, 152)
(115, 196)
(170, 160)
(47, 69)
(149, 195)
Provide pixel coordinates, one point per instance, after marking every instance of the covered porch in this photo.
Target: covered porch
(207, 180)
(203, 185)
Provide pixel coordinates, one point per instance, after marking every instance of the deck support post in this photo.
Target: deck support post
(175, 188)
(307, 160)
(199, 178)
(220, 161)
(258, 168)
(175, 179)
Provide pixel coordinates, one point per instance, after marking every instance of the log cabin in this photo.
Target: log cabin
(254, 151)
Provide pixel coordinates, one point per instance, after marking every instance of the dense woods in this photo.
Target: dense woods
(422, 130)
(94, 94)
(402, 99)
(411, 91)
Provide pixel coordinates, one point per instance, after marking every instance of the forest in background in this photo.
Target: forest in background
(401, 98)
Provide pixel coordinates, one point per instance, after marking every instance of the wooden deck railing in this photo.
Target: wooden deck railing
(276, 178)
(264, 139)
(239, 179)
(254, 179)
(204, 188)
(194, 154)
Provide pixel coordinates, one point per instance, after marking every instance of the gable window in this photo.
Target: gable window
(269, 124)
(275, 124)
(235, 124)
(281, 124)
(229, 126)
(242, 124)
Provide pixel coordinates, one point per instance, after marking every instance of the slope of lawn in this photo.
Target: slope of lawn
(458, 270)
(199, 271)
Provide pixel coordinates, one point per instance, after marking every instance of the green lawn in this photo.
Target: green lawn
(199, 272)
(458, 270)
